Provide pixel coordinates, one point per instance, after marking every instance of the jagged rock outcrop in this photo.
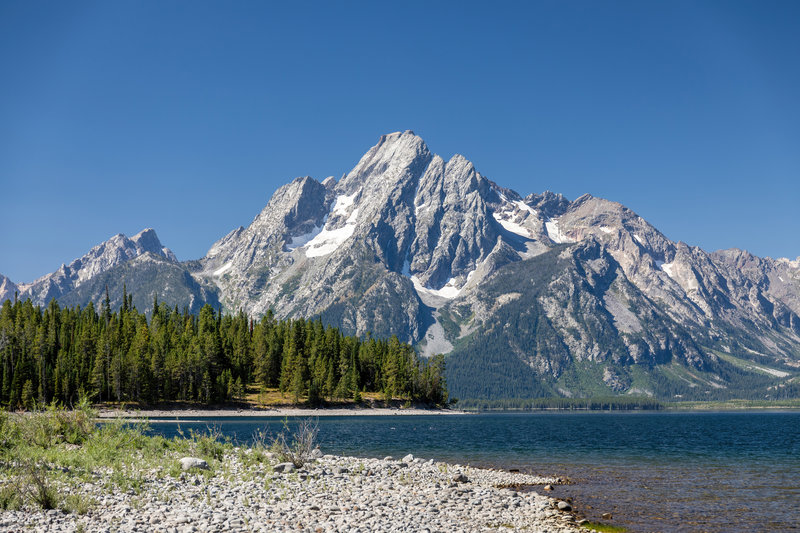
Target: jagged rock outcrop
(8, 289)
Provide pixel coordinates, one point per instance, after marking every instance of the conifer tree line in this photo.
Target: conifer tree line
(62, 353)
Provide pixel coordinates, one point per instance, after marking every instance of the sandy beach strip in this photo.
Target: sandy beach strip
(273, 412)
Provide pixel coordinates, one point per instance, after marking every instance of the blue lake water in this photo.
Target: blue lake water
(683, 472)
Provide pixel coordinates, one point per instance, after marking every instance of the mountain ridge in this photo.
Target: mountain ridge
(407, 243)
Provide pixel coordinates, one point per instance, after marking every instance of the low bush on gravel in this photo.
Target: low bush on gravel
(296, 446)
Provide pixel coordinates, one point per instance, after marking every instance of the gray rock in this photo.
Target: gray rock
(564, 506)
(408, 458)
(284, 468)
(187, 463)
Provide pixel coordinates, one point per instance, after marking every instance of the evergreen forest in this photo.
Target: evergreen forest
(63, 354)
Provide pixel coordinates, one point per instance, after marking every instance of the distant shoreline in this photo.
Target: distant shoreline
(272, 412)
(181, 412)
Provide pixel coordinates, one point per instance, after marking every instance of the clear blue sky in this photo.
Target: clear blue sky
(185, 116)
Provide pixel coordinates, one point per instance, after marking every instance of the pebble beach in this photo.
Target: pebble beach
(327, 494)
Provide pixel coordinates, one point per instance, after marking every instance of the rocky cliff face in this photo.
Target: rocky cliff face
(530, 296)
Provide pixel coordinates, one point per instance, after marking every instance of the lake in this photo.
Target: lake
(682, 472)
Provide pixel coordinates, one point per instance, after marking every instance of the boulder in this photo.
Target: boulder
(408, 458)
(461, 478)
(187, 463)
(564, 506)
(284, 468)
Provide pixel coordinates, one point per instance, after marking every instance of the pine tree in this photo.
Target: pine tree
(27, 395)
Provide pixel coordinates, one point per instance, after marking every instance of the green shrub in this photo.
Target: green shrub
(211, 444)
(40, 489)
(10, 499)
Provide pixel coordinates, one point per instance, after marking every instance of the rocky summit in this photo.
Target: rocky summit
(528, 296)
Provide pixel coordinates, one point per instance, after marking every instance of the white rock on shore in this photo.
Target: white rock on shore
(331, 494)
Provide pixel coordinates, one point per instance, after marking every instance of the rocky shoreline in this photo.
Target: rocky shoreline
(327, 494)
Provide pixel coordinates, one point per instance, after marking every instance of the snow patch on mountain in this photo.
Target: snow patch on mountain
(327, 241)
(323, 241)
(298, 241)
(511, 226)
(448, 291)
(554, 232)
(525, 207)
(342, 203)
(509, 217)
(224, 268)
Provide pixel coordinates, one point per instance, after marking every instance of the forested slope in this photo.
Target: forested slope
(60, 354)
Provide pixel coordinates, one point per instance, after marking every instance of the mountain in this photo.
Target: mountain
(528, 296)
(140, 264)
(533, 295)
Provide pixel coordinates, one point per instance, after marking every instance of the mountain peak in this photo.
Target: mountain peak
(147, 241)
(390, 137)
(397, 155)
(7, 288)
(399, 142)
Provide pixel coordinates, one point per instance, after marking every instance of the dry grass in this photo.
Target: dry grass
(272, 397)
(256, 398)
